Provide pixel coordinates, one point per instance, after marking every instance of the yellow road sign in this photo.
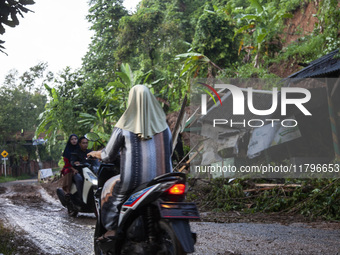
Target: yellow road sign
(4, 154)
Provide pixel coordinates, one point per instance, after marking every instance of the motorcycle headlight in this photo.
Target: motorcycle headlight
(94, 182)
(93, 178)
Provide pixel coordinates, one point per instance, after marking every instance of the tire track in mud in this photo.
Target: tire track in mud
(31, 211)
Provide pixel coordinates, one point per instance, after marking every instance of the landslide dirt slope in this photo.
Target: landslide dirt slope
(302, 24)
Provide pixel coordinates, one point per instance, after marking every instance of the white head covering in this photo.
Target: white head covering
(143, 116)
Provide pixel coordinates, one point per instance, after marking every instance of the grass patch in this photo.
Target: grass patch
(10, 178)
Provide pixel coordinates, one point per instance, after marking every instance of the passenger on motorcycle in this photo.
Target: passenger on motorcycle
(67, 171)
(143, 139)
(77, 158)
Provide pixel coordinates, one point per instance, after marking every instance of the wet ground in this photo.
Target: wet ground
(32, 212)
(40, 218)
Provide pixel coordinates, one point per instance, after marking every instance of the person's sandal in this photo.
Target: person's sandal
(106, 243)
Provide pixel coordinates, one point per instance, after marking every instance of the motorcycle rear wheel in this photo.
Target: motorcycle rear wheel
(97, 233)
(166, 243)
(169, 243)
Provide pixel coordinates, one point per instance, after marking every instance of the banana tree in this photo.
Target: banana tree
(100, 122)
(59, 118)
(113, 102)
(260, 26)
(125, 81)
(117, 92)
(194, 62)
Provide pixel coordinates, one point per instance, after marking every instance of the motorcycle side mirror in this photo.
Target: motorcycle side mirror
(91, 136)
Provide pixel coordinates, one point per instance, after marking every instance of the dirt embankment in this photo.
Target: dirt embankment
(302, 24)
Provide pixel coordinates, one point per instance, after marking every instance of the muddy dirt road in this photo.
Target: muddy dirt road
(34, 213)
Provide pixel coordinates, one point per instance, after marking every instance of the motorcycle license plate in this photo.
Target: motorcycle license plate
(178, 210)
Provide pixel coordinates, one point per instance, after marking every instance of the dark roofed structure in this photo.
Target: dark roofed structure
(326, 66)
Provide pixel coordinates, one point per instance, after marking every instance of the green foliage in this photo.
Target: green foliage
(249, 71)
(10, 178)
(323, 40)
(9, 14)
(59, 116)
(315, 197)
(261, 27)
(98, 123)
(15, 104)
(323, 201)
(148, 40)
(99, 64)
(21, 102)
(214, 37)
(194, 62)
(68, 98)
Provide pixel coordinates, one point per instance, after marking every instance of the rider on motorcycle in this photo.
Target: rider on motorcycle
(67, 171)
(77, 158)
(143, 139)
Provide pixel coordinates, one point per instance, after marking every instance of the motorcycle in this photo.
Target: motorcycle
(153, 220)
(87, 202)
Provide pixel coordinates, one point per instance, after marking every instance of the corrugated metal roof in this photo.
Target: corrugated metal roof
(321, 67)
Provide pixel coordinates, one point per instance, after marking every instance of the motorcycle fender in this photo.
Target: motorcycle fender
(87, 183)
(183, 234)
(73, 188)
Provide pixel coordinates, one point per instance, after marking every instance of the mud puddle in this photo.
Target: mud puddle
(32, 212)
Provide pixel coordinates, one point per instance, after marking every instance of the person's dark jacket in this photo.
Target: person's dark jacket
(80, 156)
(69, 149)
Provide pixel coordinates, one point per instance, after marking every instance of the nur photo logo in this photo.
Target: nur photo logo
(280, 100)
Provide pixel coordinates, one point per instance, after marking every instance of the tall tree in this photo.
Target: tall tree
(21, 102)
(214, 36)
(99, 63)
(64, 106)
(148, 40)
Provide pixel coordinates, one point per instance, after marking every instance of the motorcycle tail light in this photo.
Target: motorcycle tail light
(177, 189)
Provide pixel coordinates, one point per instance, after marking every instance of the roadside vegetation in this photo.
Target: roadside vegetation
(313, 198)
(11, 178)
